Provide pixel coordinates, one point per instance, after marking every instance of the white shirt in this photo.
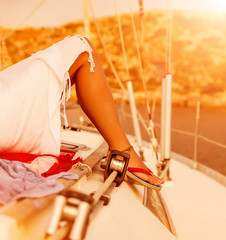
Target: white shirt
(31, 92)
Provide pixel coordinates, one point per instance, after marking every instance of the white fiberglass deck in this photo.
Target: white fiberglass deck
(125, 217)
(197, 204)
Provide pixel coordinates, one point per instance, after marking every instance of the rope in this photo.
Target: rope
(129, 82)
(141, 11)
(122, 40)
(24, 20)
(83, 166)
(169, 37)
(142, 122)
(141, 8)
(105, 50)
(139, 57)
(151, 124)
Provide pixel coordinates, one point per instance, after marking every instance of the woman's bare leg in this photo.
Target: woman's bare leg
(96, 100)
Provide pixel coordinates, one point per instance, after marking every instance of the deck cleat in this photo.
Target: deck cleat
(117, 161)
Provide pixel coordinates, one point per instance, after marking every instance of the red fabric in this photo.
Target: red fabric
(65, 160)
(21, 157)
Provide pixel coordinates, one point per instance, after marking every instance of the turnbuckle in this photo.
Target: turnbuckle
(117, 161)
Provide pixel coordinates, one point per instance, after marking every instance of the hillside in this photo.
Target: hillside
(198, 56)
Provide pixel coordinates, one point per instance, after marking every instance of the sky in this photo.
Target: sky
(58, 12)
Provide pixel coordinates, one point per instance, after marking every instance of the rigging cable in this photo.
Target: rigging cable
(130, 88)
(139, 56)
(122, 41)
(24, 20)
(169, 38)
(105, 50)
(151, 123)
(166, 103)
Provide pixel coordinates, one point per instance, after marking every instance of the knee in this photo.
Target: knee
(91, 45)
(94, 53)
(89, 57)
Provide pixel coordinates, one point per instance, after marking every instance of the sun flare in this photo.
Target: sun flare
(218, 5)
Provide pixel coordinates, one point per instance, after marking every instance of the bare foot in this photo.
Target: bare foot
(136, 162)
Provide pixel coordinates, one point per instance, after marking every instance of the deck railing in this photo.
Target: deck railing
(196, 135)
